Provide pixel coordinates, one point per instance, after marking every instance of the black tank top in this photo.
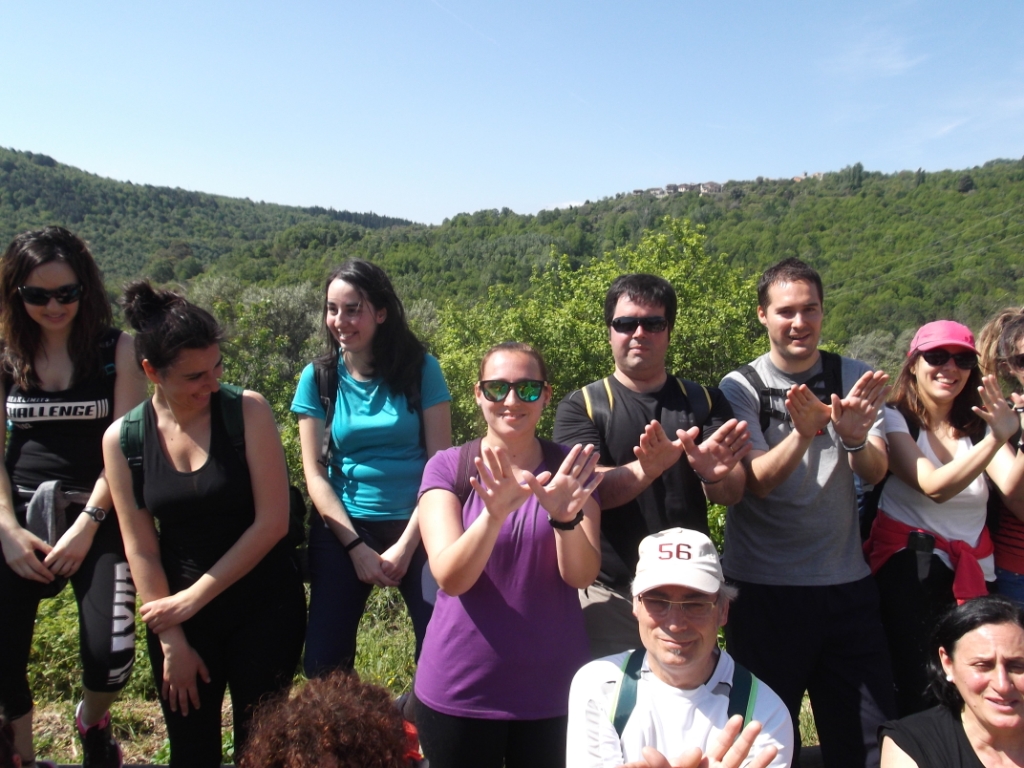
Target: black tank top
(203, 513)
(58, 435)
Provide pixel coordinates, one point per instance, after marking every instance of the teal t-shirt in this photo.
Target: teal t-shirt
(377, 460)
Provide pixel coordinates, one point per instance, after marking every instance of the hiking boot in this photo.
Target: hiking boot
(99, 748)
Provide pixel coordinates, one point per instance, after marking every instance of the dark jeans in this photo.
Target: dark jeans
(337, 598)
(106, 620)
(825, 640)
(469, 742)
(910, 608)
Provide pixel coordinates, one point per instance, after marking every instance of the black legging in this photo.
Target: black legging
(469, 742)
(106, 620)
(250, 639)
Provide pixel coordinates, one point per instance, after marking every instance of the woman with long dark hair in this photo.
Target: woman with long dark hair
(389, 407)
(221, 595)
(65, 374)
(947, 427)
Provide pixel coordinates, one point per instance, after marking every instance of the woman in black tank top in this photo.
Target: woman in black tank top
(65, 374)
(221, 598)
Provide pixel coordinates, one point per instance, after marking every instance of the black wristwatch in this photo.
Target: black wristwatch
(568, 526)
(98, 514)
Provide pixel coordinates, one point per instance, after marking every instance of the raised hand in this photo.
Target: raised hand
(714, 458)
(498, 487)
(567, 490)
(997, 413)
(808, 413)
(854, 415)
(727, 750)
(657, 452)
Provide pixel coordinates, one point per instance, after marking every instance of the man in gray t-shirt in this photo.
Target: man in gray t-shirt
(807, 617)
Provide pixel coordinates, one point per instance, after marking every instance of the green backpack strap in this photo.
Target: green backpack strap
(133, 435)
(133, 429)
(743, 694)
(625, 695)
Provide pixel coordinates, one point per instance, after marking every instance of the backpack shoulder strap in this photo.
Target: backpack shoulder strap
(108, 351)
(764, 395)
(600, 402)
(743, 694)
(699, 399)
(832, 371)
(466, 469)
(625, 692)
(230, 398)
(133, 434)
(327, 389)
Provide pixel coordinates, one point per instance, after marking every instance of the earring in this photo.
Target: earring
(949, 678)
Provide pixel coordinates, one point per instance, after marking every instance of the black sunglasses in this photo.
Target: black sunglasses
(939, 357)
(628, 325)
(1016, 362)
(496, 390)
(40, 297)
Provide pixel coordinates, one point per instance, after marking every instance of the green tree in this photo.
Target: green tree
(562, 315)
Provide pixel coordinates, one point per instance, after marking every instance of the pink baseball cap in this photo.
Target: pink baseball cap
(678, 557)
(942, 333)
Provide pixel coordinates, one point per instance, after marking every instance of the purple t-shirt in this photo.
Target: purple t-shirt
(506, 649)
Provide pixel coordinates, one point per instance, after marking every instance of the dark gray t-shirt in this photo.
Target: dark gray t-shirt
(806, 532)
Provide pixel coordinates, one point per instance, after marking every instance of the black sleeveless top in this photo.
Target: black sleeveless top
(201, 514)
(59, 435)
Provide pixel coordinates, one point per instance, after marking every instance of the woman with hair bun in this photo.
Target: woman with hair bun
(65, 373)
(389, 413)
(221, 597)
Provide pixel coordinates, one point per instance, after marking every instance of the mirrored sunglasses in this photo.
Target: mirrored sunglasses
(496, 390)
(939, 357)
(628, 325)
(40, 297)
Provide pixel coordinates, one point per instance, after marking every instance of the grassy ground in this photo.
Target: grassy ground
(385, 656)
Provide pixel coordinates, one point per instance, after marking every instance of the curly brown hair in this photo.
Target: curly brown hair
(335, 721)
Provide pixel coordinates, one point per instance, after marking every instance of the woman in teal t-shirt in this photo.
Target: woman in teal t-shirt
(366, 532)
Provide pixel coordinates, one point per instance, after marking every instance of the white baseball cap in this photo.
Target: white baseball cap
(678, 557)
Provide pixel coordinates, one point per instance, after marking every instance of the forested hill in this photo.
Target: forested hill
(137, 227)
(894, 250)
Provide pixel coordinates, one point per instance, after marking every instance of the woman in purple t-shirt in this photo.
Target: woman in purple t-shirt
(507, 632)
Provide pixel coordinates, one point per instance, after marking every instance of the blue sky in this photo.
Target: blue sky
(427, 108)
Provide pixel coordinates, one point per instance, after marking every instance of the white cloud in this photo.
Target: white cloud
(878, 53)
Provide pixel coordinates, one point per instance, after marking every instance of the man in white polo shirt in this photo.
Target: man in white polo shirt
(679, 690)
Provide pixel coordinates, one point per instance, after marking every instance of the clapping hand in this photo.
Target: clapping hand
(564, 493)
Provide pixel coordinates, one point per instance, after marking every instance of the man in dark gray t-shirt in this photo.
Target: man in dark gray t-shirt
(807, 617)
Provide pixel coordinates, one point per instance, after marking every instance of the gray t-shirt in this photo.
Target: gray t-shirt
(806, 533)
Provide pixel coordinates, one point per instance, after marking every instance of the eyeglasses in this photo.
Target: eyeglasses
(628, 325)
(939, 357)
(693, 610)
(1016, 362)
(496, 390)
(40, 297)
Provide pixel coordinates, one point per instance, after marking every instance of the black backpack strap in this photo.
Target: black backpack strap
(832, 373)
(625, 695)
(327, 389)
(133, 433)
(699, 398)
(230, 398)
(108, 351)
(766, 397)
(599, 400)
(743, 694)
(466, 469)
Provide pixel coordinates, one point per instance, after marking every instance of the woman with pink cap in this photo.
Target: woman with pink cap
(946, 428)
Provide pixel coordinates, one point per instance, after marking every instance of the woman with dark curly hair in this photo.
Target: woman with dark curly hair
(66, 373)
(976, 674)
(221, 595)
(336, 721)
(390, 414)
(947, 428)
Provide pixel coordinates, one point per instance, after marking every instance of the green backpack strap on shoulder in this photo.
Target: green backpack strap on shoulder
(625, 694)
(742, 695)
(133, 429)
(133, 435)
